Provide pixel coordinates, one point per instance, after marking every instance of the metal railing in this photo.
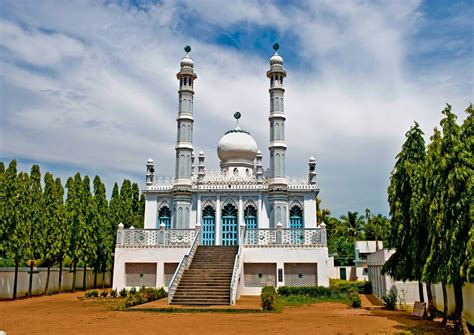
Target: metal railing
(286, 237)
(234, 283)
(183, 265)
(154, 237)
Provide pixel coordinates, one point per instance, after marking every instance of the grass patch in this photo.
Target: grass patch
(300, 300)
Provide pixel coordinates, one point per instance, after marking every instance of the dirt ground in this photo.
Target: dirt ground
(69, 313)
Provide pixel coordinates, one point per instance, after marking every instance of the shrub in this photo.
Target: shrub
(354, 299)
(269, 298)
(93, 294)
(343, 286)
(113, 293)
(310, 291)
(103, 294)
(144, 295)
(390, 300)
(133, 290)
(123, 292)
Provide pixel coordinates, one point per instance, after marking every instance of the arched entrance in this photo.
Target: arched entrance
(296, 225)
(208, 226)
(250, 217)
(229, 225)
(164, 216)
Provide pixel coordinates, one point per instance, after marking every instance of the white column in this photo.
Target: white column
(218, 220)
(199, 211)
(260, 210)
(241, 218)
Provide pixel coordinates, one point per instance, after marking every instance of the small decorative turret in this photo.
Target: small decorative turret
(259, 167)
(312, 171)
(150, 170)
(201, 167)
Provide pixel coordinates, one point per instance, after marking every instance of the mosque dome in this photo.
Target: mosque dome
(237, 147)
(276, 59)
(186, 61)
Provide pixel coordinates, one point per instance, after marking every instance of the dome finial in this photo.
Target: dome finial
(237, 116)
(187, 48)
(276, 46)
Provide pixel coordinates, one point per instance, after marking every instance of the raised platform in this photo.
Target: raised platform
(244, 304)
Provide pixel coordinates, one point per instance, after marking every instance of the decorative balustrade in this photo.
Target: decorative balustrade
(286, 237)
(154, 237)
(183, 265)
(239, 259)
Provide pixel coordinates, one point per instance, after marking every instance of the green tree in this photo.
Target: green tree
(19, 238)
(76, 221)
(102, 232)
(452, 208)
(353, 224)
(62, 234)
(377, 227)
(3, 202)
(86, 231)
(406, 210)
(126, 204)
(36, 233)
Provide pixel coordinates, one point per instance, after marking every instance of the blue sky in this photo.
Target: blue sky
(90, 86)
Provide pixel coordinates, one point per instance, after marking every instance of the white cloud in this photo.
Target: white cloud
(105, 98)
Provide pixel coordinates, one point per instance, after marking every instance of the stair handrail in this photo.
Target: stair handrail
(237, 267)
(183, 265)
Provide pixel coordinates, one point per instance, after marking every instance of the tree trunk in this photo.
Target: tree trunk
(459, 320)
(15, 281)
(95, 278)
(30, 284)
(74, 276)
(47, 280)
(84, 277)
(60, 273)
(103, 279)
(431, 306)
(445, 304)
(420, 291)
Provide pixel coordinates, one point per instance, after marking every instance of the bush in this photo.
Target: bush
(144, 295)
(310, 291)
(343, 286)
(113, 293)
(354, 299)
(103, 294)
(91, 294)
(269, 298)
(390, 300)
(123, 293)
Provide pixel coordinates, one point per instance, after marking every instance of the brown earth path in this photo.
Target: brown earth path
(69, 313)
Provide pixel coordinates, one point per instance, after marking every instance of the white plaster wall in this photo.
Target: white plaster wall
(280, 256)
(309, 210)
(151, 204)
(145, 255)
(39, 281)
(468, 299)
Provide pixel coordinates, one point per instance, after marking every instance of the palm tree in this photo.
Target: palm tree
(353, 224)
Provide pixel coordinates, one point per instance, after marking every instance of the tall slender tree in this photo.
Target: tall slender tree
(126, 202)
(36, 233)
(404, 195)
(3, 204)
(102, 236)
(62, 236)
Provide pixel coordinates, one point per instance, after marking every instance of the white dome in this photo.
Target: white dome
(186, 61)
(237, 146)
(276, 59)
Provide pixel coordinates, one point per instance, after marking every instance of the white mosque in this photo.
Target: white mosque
(211, 236)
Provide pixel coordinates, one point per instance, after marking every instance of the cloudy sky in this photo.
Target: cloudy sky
(90, 86)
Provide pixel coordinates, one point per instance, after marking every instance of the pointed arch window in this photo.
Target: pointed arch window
(229, 225)
(208, 225)
(164, 217)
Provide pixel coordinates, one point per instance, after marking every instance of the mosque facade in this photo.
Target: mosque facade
(265, 217)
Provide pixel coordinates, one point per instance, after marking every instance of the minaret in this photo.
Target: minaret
(277, 122)
(184, 144)
(277, 183)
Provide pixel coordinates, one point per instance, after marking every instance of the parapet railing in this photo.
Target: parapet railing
(234, 283)
(154, 237)
(183, 265)
(286, 237)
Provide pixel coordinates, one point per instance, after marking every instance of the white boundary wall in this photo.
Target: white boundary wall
(7, 277)
(467, 294)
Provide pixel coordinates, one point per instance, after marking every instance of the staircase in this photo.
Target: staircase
(207, 281)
